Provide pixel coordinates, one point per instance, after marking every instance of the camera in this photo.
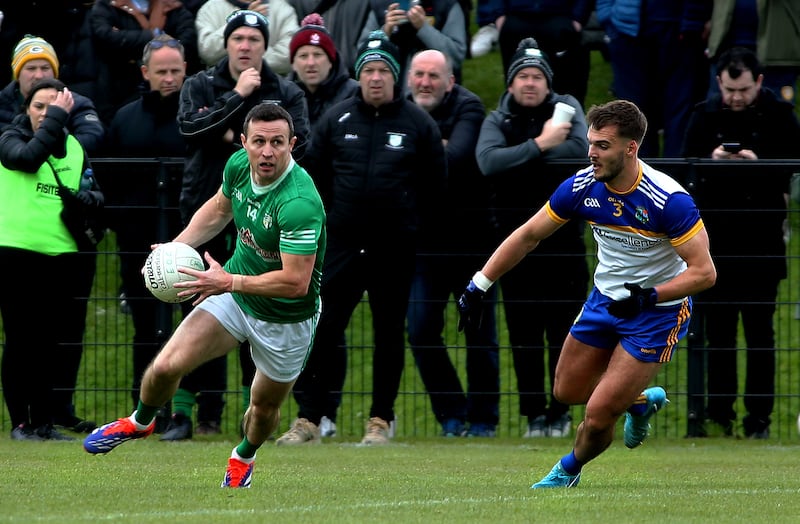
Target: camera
(732, 147)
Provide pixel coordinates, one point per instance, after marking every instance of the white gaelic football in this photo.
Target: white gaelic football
(161, 270)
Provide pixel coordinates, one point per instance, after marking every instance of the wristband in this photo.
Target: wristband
(481, 282)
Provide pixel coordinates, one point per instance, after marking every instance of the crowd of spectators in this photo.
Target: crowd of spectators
(170, 78)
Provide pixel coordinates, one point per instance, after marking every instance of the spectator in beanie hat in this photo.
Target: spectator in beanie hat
(248, 18)
(216, 19)
(528, 54)
(32, 48)
(378, 47)
(35, 59)
(317, 69)
(313, 32)
(518, 138)
(380, 166)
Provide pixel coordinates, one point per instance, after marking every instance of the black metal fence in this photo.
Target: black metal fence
(104, 386)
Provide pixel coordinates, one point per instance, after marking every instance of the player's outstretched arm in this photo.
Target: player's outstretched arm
(513, 249)
(519, 243)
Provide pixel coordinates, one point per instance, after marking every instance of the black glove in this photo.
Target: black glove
(639, 300)
(470, 306)
(90, 198)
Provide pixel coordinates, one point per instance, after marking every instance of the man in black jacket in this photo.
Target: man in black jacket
(379, 164)
(443, 268)
(146, 128)
(213, 105)
(744, 210)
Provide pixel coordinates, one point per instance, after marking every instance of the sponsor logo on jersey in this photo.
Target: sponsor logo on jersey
(642, 215)
(247, 238)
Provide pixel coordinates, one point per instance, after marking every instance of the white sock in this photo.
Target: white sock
(139, 427)
(236, 456)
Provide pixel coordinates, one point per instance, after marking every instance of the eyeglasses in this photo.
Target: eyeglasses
(158, 44)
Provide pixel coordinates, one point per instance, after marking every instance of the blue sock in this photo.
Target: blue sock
(571, 464)
(639, 407)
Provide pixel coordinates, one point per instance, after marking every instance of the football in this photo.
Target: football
(161, 270)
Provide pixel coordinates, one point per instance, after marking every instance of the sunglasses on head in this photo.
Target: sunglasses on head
(158, 44)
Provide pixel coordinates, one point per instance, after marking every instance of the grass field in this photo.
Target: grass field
(419, 480)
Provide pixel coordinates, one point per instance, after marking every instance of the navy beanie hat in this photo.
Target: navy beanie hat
(245, 17)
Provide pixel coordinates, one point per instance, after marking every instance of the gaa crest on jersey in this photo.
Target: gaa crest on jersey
(642, 215)
(394, 140)
(267, 221)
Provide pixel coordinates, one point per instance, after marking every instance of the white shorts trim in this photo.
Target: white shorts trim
(279, 351)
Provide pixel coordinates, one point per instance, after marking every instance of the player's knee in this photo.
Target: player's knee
(567, 393)
(597, 422)
(165, 369)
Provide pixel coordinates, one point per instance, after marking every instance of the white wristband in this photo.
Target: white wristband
(481, 282)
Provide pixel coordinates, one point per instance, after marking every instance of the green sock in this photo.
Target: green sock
(145, 414)
(246, 450)
(183, 402)
(245, 398)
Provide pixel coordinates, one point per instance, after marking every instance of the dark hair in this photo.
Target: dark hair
(736, 61)
(630, 121)
(44, 83)
(268, 112)
(158, 42)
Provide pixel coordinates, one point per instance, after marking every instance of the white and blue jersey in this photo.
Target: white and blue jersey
(635, 231)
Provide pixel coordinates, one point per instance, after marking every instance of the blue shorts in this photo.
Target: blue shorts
(650, 337)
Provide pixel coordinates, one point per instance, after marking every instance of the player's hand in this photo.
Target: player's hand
(212, 281)
(640, 300)
(470, 307)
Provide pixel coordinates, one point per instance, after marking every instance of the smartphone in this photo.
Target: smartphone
(732, 147)
(405, 5)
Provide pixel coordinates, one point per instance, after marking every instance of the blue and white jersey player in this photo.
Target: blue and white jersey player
(653, 254)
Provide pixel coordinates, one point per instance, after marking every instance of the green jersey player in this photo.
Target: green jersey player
(267, 293)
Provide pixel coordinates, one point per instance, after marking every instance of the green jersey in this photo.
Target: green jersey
(285, 217)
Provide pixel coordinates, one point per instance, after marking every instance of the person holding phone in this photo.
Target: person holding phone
(416, 25)
(731, 147)
(744, 121)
